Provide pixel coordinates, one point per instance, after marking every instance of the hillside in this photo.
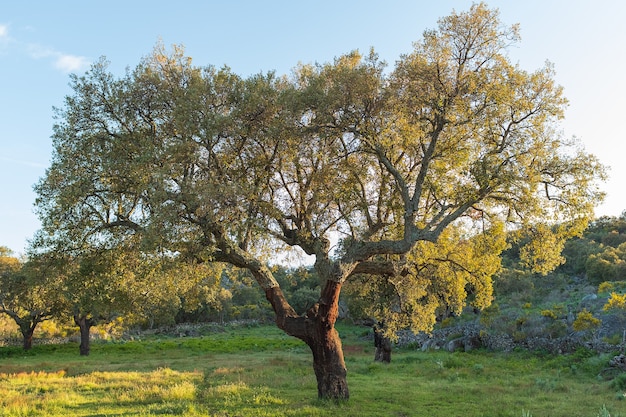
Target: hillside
(559, 312)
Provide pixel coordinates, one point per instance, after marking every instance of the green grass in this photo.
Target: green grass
(261, 372)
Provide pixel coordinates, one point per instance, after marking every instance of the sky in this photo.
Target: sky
(43, 42)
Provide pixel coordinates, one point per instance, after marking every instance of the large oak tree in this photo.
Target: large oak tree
(219, 168)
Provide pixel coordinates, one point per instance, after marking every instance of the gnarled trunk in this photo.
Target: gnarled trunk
(84, 325)
(317, 329)
(328, 363)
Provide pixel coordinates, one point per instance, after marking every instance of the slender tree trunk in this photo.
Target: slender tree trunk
(85, 325)
(382, 345)
(317, 329)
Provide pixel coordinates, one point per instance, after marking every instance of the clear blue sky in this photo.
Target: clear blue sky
(41, 42)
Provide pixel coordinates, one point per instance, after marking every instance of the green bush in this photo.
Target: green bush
(619, 383)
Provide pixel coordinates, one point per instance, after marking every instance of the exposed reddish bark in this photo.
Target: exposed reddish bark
(317, 329)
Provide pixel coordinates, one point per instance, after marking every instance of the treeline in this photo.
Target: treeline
(599, 255)
(117, 289)
(583, 298)
(122, 291)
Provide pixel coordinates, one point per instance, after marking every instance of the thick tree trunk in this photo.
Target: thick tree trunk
(85, 325)
(317, 329)
(328, 363)
(27, 334)
(382, 345)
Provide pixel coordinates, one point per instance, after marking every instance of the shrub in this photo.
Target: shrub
(616, 301)
(586, 321)
(549, 314)
(556, 329)
(489, 314)
(619, 383)
(447, 322)
(606, 286)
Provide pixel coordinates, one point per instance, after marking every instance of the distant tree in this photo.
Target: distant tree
(576, 252)
(206, 164)
(104, 284)
(28, 293)
(96, 288)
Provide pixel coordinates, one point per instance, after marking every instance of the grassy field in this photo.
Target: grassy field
(258, 371)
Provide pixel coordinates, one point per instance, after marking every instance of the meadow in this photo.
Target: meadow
(259, 371)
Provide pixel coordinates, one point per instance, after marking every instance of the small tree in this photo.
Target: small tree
(28, 293)
(104, 284)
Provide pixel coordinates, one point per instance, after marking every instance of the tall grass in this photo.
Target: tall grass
(261, 372)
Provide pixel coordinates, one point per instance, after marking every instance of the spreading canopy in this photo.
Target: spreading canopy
(203, 162)
(206, 165)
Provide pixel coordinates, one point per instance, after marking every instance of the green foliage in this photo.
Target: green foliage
(599, 253)
(29, 292)
(514, 281)
(218, 167)
(608, 265)
(490, 314)
(439, 279)
(619, 382)
(604, 412)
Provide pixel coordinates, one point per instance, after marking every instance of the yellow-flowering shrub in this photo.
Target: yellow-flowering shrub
(606, 286)
(586, 321)
(615, 301)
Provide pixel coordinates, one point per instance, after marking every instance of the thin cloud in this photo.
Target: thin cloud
(5, 38)
(71, 63)
(64, 62)
(61, 61)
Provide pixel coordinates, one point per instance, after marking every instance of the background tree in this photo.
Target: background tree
(600, 253)
(96, 290)
(201, 162)
(105, 284)
(437, 281)
(28, 292)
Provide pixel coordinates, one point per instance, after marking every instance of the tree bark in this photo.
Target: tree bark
(329, 365)
(27, 334)
(317, 329)
(382, 345)
(85, 325)
(27, 326)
